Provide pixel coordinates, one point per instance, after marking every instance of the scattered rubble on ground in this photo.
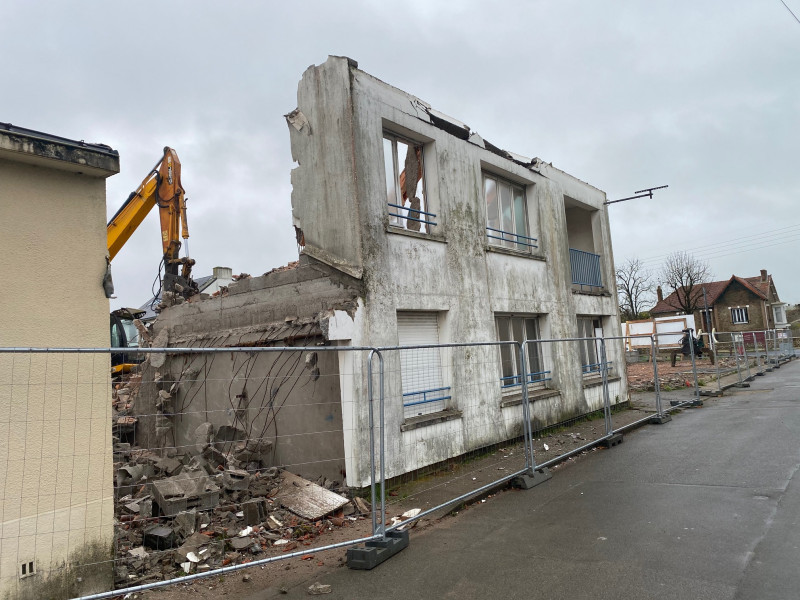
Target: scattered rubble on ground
(213, 504)
(640, 375)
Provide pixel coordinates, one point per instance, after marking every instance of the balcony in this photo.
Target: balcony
(585, 268)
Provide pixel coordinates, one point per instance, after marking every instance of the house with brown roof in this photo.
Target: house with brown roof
(735, 304)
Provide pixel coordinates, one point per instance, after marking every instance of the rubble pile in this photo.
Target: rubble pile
(640, 375)
(213, 504)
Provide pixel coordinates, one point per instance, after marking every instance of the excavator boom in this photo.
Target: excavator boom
(162, 186)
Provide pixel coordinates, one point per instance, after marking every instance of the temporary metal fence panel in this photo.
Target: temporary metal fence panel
(476, 439)
(200, 462)
(644, 385)
(571, 412)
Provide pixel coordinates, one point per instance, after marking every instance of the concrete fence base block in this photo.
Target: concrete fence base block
(660, 419)
(612, 441)
(378, 551)
(741, 385)
(761, 374)
(712, 393)
(527, 480)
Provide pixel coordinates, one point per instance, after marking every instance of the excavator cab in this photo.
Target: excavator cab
(124, 334)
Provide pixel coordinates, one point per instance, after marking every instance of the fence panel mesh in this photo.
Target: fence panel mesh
(194, 462)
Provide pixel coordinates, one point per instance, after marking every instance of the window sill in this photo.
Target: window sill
(430, 419)
(596, 380)
(433, 237)
(597, 292)
(533, 396)
(510, 252)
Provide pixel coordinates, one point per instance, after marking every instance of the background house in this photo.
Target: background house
(55, 438)
(735, 304)
(415, 230)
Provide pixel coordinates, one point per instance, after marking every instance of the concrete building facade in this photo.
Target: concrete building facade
(428, 233)
(55, 440)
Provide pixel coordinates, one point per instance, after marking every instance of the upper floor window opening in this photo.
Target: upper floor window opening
(506, 215)
(405, 184)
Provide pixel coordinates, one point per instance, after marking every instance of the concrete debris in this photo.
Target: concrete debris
(233, 480)
(159, 537)
(183, 491)
(181, 510)
(316, 589)
(308, 499)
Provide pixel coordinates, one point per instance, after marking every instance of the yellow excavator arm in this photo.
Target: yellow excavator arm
(161, 187)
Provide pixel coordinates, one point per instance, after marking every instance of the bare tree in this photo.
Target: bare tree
(636, 289)
(683, 275)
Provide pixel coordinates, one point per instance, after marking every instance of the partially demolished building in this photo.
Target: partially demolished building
(415, 230)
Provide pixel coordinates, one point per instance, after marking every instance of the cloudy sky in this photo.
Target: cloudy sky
(702, 96)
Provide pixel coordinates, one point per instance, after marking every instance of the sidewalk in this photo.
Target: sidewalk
(702, 507)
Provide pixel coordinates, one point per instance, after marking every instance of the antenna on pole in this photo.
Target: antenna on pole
(645, 193)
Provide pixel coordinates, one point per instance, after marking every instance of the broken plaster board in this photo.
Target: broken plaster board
(307, 499)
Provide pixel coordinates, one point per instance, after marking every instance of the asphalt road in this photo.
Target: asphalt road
(704, 507)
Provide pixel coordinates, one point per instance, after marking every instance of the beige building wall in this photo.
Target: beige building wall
(56, 503)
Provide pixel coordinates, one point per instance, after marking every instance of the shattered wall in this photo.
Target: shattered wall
(251, 409)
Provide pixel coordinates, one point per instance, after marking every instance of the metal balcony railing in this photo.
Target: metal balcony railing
(585, 268)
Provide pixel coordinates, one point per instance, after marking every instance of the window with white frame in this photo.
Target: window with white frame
(592, 329)
(739, 315)
(506, 214)
(424, 388)
(514, 328)
(405, 184)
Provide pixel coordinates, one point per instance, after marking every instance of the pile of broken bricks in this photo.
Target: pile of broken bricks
(219, 503)
(167, 526)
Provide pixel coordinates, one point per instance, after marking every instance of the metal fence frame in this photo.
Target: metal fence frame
(530, 464)
(377, 530)
(375, 368)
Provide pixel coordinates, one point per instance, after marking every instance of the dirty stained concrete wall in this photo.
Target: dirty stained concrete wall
(452, 270)
(287, 401)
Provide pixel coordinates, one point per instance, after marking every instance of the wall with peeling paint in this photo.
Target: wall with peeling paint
(289, 400)
(452, 270)
(340, 212)
(55, 410)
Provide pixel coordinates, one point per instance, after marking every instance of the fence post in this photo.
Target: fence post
(660, 416)
(736, 354)
(696, 401)
(532, 477)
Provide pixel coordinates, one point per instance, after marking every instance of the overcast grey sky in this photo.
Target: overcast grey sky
(703, 96)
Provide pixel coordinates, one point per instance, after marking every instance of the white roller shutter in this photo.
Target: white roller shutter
(420, 368)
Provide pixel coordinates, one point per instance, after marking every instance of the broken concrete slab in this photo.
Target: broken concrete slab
(170, 466)
(235, 480)
(307, 499)
(159, 537)
(255, 511)
(184, 491)
(240, 543)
